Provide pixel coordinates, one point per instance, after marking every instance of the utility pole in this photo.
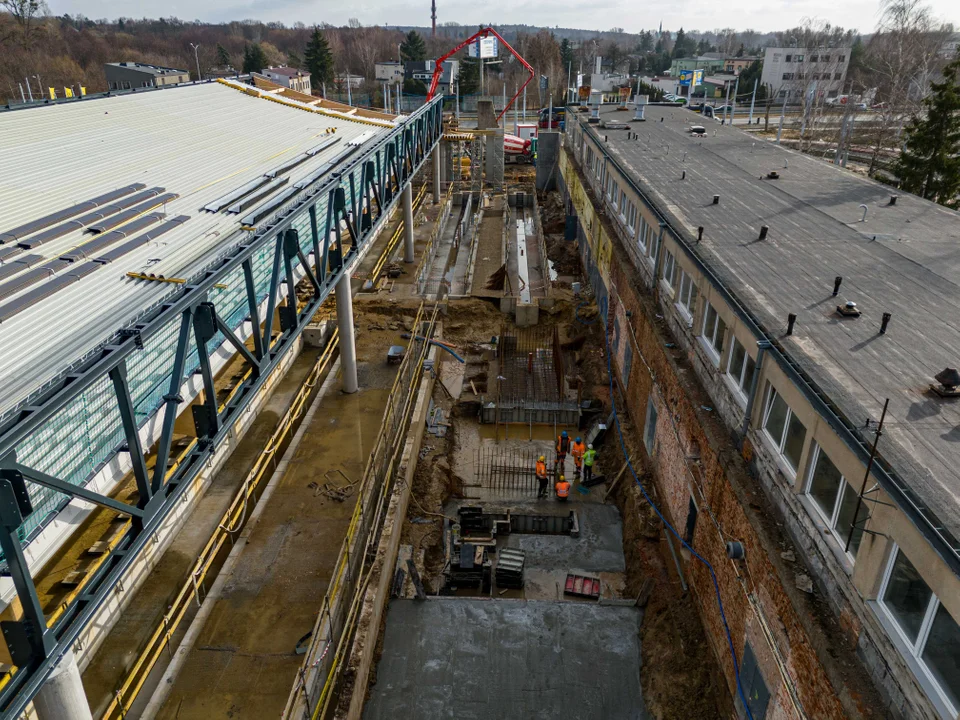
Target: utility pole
(457, 106)
(753, 100)
(433, 18)
(196, 56)
(349, 91)
(29, 89)
(733, 108)
(783, 110)
(22, 96)
(726, 103)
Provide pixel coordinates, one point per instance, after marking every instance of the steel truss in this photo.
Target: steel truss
(357, 196)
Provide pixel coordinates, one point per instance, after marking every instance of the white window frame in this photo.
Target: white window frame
(914, 649)
(709, 341)
(780, 444)
(740, 383)
(687, 297)
(669, 267)
(830, 522)
(642, 236)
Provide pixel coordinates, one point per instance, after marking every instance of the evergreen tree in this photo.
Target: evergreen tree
(413, 47)
(929, 165)
(318, 59)
(294, 60)
(254, 58)
(680, 47)
(469, 76)
(223, 57)
(645, 44)
(566, 52)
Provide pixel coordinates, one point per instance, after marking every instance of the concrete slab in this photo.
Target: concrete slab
(472, 658)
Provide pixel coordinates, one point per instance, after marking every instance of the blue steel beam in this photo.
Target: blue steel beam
(182, 307)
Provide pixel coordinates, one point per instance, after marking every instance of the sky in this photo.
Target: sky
(631, 15)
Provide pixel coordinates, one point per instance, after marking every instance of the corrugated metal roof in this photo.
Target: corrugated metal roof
(198, 142)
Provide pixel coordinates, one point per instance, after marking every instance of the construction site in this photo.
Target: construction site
(372, 420)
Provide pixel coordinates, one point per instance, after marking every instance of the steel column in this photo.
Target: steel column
(253, 307)
(132, 434)
(272, 297)
(204, 328)
(437, 191)
(408, 223)
(172, 400)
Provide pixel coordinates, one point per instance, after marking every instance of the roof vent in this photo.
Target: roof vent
(949, 379)
(773, 175)
(849, 309)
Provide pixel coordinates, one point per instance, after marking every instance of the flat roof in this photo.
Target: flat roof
(195, 142)
(147, 68)
(903, 259)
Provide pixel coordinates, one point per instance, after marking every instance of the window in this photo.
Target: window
(654, 245)
(687, 297)
(841, 58)
(798, 58)
(813, 58)
(713, 329)
(838, 76)
(788, 58)
(741, 366)
(668, 267)
(836, 500)
(650, 426)
(643, 236)
(754, 687)
(931, 635)
(784, 429)
(692, 513)
(631, 216)
(788, 76)
(825, 58)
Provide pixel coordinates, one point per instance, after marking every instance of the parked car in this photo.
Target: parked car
(559, 115)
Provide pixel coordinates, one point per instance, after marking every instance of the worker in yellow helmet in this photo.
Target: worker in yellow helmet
(563, 489)
(542, 476)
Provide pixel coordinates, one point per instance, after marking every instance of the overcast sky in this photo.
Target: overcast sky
(631, 15)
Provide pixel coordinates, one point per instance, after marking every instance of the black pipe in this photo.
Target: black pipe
(763, 232)
(791, 319)
(716, 199)
(884, 322)
(700, 233)
(836, 284)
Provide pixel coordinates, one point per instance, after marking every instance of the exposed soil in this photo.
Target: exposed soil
(562, 252)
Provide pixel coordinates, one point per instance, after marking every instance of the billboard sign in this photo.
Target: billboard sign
(691, 78)
(488, 47)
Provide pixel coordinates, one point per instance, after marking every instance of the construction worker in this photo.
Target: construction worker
(577, 450)
(589, 458)
(563, 489)
(542, 476)
(563, 447)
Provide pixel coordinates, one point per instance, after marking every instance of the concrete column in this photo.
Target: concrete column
(348, 345)
(407, 223)
(437, 191)
(62, 696)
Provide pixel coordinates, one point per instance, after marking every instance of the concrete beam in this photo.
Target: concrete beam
(62, 696)
(348, 346)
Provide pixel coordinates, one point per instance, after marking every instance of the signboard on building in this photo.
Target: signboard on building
(691, 78)
(488, 47)
(584, 92)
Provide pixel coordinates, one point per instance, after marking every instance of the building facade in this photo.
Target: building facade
(847, 599)
(736, 65)
(292, 78)
(709, 65)
(791, 72)
(130, 75)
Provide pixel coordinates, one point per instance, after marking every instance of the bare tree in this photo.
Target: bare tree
(901, 57)
(26, 14)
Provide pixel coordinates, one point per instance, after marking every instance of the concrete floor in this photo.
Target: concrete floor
(475, 658)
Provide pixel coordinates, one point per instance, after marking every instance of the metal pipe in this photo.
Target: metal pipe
(866, 475)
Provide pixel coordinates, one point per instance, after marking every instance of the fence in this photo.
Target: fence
(321, 677)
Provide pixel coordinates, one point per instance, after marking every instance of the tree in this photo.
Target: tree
(294, 60)
(750, 74)
(469, 76)
(318, 59)
(645, 44)
(566, 52)
(929, 165)
(682, 47)
(25, 13)
(413, 47)
(223, 57)
(254, 58)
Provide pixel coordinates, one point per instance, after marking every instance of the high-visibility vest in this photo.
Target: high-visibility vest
(578, 450)
(563, 444)
(541, 469)
(563, 489)
(588, 457)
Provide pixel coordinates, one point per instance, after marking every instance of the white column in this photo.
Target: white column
(348, 346)
(408, 223)
(437, 192)
(62, 696)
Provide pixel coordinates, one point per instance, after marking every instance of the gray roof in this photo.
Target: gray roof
(904, 259)
(150, 69)
(198, 142)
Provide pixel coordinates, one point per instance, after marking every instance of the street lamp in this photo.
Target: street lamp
(196, 55)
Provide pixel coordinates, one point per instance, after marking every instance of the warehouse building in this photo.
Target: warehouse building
(783, 333)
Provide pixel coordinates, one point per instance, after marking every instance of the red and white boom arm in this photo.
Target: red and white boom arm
(485, 32)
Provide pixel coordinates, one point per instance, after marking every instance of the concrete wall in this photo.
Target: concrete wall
(548, 152)
(839, 654)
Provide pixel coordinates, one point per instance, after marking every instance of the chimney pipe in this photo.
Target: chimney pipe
(763, 232)
(700, 233)
(684, 175)
(893, 199)
(836, 284)
(716, 199)
(791, 319)
(864, 218)
(884, 322)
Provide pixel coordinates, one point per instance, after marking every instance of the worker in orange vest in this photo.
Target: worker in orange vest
(563, 489)
(577, 451)
(563, 447)
(542, 476)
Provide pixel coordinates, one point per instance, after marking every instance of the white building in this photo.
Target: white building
(388, 72)
(790, 72)
(289, 77)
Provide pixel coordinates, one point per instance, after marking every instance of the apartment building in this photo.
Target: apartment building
(131, 75)
(289, 77)
(822, 547)
(791, 72)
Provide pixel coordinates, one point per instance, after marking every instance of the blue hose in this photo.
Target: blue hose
(713, 575)
(444, 347)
